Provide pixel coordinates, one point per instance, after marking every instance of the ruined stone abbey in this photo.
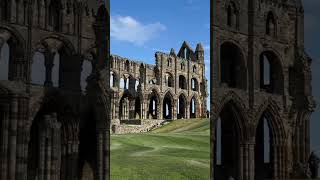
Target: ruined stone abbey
(54, 103)
(261, 93)
(174, 88)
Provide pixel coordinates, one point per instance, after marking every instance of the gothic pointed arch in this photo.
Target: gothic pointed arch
(233, 66)
(271, 72)
(168, 105)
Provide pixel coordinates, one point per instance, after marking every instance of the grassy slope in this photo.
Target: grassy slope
(179, 150)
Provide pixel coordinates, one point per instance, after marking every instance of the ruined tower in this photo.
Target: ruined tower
(261, 95)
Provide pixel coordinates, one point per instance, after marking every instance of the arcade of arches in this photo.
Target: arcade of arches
(261, 91)
(170, 89)
(53, 100)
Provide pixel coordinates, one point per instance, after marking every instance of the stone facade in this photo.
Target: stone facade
(54, 99)
(261, 94)
(174, 88)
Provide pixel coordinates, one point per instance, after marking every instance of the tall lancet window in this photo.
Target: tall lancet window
(271, 25)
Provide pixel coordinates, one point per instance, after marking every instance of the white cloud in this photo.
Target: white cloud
(126, 28)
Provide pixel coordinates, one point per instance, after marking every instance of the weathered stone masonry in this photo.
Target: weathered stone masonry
(174, 88)
(261, 94)
(54, 101)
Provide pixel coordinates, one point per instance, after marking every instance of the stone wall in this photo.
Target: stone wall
(146, 126)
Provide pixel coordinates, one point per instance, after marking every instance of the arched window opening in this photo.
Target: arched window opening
(38, 69)
(233, 69)
(39, 11)
(113, 79)
(137, 108)
(271, 77)
(122, 83)
(182, 66)
(55, 15)
(227, 144)
(153, 105)
(194, 84)
(4, 62)
(136, 85)
(126, 82)
(263, 153)
(181, 107)
(25, 9)
(168, 62)
(185, 53)
(167, 107)
(124, 108)
(127, 66)
(194, 69)
(85, 73)
(193, 108)
(271, 25)
(232, 15)
(5, 10)
(169, 80)
(182, 82)
(152, 82)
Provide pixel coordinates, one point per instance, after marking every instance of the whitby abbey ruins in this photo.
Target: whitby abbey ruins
(54, 102)
(174, 88)
(261, 93)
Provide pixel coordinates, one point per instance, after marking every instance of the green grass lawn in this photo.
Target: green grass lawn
(179, 150)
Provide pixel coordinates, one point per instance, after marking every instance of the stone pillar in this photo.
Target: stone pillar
(99, 170)
(21, 140)
(174, 110)
(56, 148)
(42, 143)
(13, 138)
(275, 163)
(49, 58)
(106, 155)
(132, 109)
(4, 140)
(187, 110)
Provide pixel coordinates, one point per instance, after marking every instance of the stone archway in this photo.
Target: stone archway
(168, 106)
(233, 66)
(182, 107)
(271, 73)
(270, 153)
(154, 105)
(194, 109)
(228, 157)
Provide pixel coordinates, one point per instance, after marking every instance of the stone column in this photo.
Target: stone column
(275, 160)
(106, 155)
(132, 109)
(174, 110)
(42, 144)
(99, 170)
(56, 148)
(21, 140)
(13, 138)
(4, 141)
(187, 110)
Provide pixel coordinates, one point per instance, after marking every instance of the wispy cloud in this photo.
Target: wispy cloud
(126, 28)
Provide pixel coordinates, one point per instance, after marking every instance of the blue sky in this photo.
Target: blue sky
(312, 46)
(140, 28)
(161, 25)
